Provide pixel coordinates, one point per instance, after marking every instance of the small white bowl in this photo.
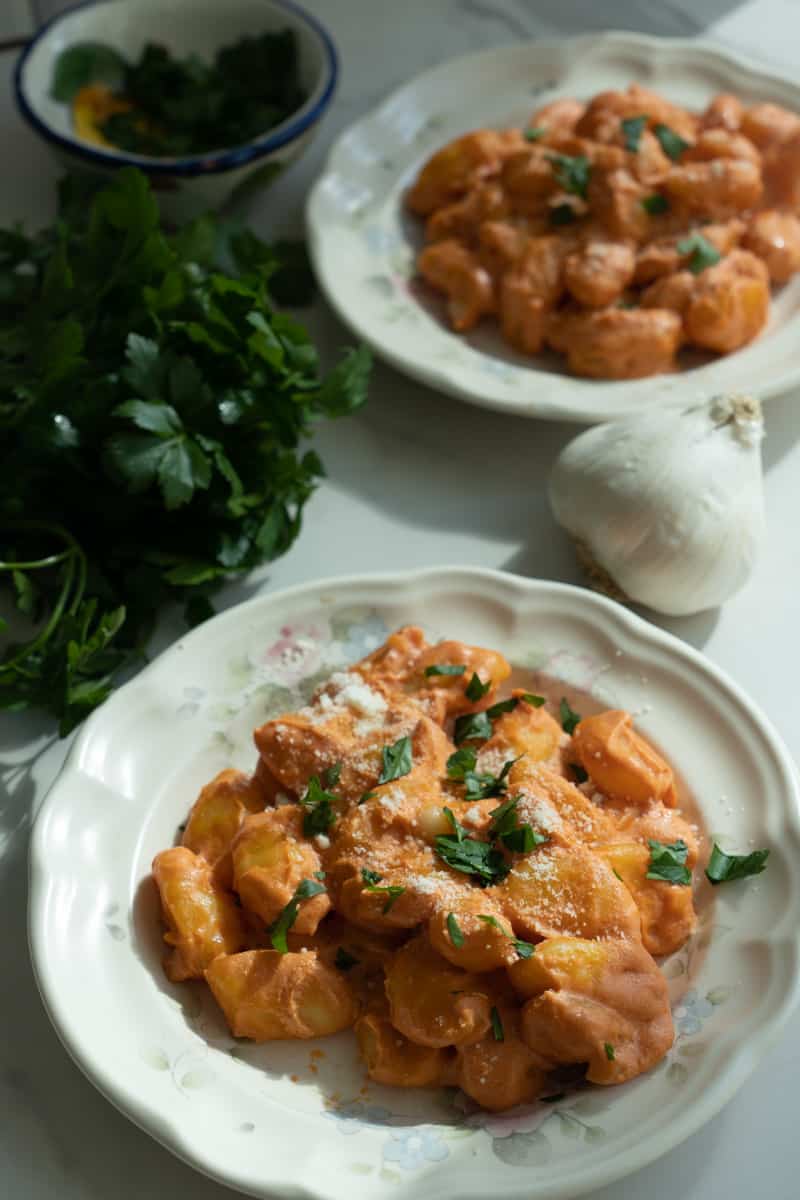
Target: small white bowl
(194, 183)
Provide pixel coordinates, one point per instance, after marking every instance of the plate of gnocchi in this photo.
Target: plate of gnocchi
(573, 230)
(371, 887)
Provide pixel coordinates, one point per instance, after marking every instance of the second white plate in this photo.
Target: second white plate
(363, 244)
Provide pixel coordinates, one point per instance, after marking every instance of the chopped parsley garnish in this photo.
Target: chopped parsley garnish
(305, 889)
(475, 689)
(610, 1051)
(532, 699)
(344, 960)
(472, 727)
(371, 879)
(397, 760)
(459, 763)
(722, 867)
(365, 796)
(504, 825)
(319, 815)
(668, 862)
(672, 143)
(472, 857)
(523, 839)
(332, 775)
(523, 949)
(320, 875)
(569, 718)
(502, 706)
(483, 785)
(632, 130)
(445, 669)
(562, 214)
(702, 253)
(616, 872)
(534, 133)
(478, 726)
(454, 930)
(497, 1025)
(458, 829)
(655, 204)
(581, 775)
(571, 172)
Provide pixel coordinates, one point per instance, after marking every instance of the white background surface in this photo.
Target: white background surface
(416, 479)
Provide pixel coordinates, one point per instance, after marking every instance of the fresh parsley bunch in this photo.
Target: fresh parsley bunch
(152, 408)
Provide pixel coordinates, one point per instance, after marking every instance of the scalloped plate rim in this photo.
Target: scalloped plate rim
(479, 393)
(581, 1176)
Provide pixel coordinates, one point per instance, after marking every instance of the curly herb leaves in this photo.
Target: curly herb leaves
(445, 669)
(476, 689)
(523, 949)
(152, 403)
(454, 930)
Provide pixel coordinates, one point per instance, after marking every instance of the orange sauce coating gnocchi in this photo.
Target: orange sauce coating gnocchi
(415, 858)
(557, 231)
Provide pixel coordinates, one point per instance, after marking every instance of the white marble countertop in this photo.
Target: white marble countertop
(395, 498)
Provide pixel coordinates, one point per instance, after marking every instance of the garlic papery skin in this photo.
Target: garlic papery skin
(668, 505)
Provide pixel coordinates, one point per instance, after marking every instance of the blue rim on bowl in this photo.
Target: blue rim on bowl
(212, 163)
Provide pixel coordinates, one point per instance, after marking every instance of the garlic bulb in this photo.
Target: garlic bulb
(667, 507)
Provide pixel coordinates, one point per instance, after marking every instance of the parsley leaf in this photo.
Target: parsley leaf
(458, 829)
(668, 862)
(534, 133)
(655, 204)
(152, 401)
(572, 172)
(478, 726)
(483, 785)
(672, 143)
(305, 889)
(371, 879)
(497, 1025)
(562, 214)
(523, 949)
(344, 960)
(319, 815)
(722, 867)
(459, 763)
(445, 669)
(472, 727)
(632, 129)
(611, 1053)
(332, 775)
(569, 718)
(454, 930)
(532, 699)
(475, 689)
(366, 796)
(472, 857)
(504, 825)
(397, 760)
(702, 253)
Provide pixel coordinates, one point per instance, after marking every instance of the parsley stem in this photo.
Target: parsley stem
(70, 556)
(36, 564)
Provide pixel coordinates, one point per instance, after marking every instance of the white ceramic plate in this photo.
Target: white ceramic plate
(364, 244)
(161, 1052)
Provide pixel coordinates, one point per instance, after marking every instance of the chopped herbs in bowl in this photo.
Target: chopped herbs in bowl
(203, 101)
(163, 105)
